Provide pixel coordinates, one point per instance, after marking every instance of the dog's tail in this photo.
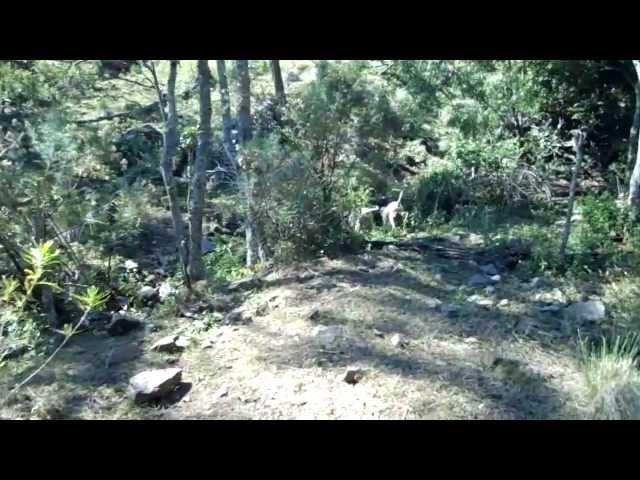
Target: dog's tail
(400, 196)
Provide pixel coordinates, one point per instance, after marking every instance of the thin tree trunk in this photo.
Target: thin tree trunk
(247, 180)
(225, 101)
(245, 130)
(277, 82)
(196, 207)
(578, 145)
(634, 152)
(169, 151)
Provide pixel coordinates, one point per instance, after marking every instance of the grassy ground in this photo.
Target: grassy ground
(499, 357)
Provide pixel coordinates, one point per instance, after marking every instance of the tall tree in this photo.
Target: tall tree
(248, 180)
(169, 151)
(277, 82)
(226, 112)
(196, 208)
(634, 150)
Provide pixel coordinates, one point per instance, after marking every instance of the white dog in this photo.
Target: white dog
(390, 211)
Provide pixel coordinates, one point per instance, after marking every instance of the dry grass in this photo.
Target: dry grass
(612, 379)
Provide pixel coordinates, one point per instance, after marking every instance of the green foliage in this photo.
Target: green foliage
(603, 222)
(227, 262)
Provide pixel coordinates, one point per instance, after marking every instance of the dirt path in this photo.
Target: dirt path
(431, 347)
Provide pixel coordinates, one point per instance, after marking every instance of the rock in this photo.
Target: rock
(329, 335)
(489, 269)
(378, 333)
(172, 343)
(245, 284)
(154, 384)
(480, 300)
(237, 317)
(121, 325)
(479, 280)
(390, 248)
(503, 303)
(495, 278)
(398, 340)
(148, 294)
(591, 311)
(432, 303)
(353, 375)
(122, 354)
(451, 311)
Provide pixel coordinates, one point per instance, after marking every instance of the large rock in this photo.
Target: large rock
(591, 311)
(154, 384)
(148, 294)
(172, 343)
(121, 325)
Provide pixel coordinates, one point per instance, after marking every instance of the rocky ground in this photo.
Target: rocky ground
(394, 333)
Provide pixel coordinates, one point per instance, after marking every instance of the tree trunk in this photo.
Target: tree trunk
(634, 152)
(247, 180)
(169, 151)
(225, 101)
(196, 207)
(277, 82)
(578, 144)
(245, 132)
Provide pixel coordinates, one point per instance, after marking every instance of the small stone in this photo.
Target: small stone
(222, 392)
(154, 384)
(390, 248)
(353, 375)
(378, 333)
(314, 315)
(503, 303)
(121, 325)
(495, 278)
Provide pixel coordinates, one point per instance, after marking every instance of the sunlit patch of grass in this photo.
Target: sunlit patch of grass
(611, 378)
